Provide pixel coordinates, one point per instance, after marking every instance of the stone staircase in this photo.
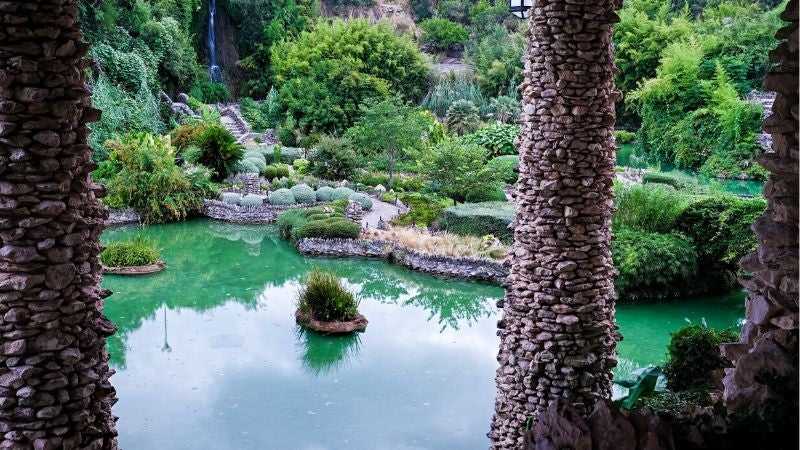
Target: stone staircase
(232, 119)
(766, 100)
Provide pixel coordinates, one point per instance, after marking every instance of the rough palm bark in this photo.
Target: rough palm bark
(763, 380)
(54, 375)
(558, 334)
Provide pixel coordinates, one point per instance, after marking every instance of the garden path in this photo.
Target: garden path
(380, 210)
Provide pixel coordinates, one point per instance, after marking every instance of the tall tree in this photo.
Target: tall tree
(54, 374)
(558, 334)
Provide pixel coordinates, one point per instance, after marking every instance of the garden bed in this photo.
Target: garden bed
(359, 324)
(136, 270)
(448, 266)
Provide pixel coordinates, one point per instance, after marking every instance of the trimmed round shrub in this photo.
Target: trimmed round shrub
(342, 193)
(324, 194)
(363, 200)
(254, 161)
(231, 198)
(479, 219)
(330, 228)
(653, 265)
(281, 197)
(693, 356)
(303, 194)
(251, 201)
(136, 252)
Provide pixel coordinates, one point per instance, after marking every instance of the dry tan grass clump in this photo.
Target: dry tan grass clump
(441, 243)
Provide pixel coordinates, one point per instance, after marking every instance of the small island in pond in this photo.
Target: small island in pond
(327, 307)
(137, 256)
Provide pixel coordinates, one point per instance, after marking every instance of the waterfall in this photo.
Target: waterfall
(213, 69)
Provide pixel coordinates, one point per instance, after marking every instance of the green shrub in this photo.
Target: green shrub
(231, 198)
(324, 194)
(261, 115)
(330, 228)
(146, 178)
(497, 138)
(273, 171)
(653, 208)
(496, 56)
(303, 193)
(507, 166)
(450, 88)
(494, 193)
(251, 201)
(653, 265)
(458, 170)
(720, 227)
(442, 34)
(663, 178)
(334, 159)
(217, 149)
(624, 136)
(504, 109)
(361, 199)
(342, 193)
(136, 252)
(424, 209)
(324, 297)
(324, 74)
(301, 166)
(693, 355)
(462, 117)
(281, 197)
(479, 219)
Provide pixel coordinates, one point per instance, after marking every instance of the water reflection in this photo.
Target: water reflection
(325, 354)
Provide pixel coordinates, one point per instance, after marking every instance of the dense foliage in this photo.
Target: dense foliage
(693, 356)
(324, 297)
(325, 74)
(216, 148)
(317, 222)
(135, 252)
(141, 173)
(497, 138)
(651, 208)
(459, 170)
(479, 219)
(442, 34)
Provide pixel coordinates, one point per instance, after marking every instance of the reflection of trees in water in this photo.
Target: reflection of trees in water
(206, 268)
(325, 354)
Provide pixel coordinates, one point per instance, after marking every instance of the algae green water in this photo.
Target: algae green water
(208, 356)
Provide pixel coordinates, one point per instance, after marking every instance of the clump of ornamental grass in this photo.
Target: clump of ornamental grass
(135, 252)
(442, 243)
(325, 299)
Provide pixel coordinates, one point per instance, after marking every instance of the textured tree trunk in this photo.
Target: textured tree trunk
(557, 334)
(54, 375)
(764, 377)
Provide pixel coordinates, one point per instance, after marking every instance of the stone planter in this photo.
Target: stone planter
(359, 324)
(136, 270)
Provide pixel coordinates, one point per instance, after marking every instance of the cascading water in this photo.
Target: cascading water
(213, 69)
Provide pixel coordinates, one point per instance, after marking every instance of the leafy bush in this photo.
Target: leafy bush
(324, 194)
(504, 109)
(136, 252)
(251, 201)
(498, 138)
(273, 171)
(462, 117)
(652, 265)
(325, 74)
(231, 198)
(497, 57)
(324, 297)
(650, 207)
(507, 166)
(450, 88)
(301, 165)
(693, 355)
(663, 178)
(479, 219)
(303, 193)
(281, 197)
(330, 228)
(342, 193)
(442, 34)
(457, 169)
(624, 136)
(455, 10)
(720, 227)
(261, 115)
(334, 159)
(215, 147)
(146, 178)
(424, 209)
(362, 199)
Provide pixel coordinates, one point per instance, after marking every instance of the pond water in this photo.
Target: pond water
(746, 188)
(209, 358)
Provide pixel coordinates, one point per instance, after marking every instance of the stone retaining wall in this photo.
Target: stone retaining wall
(466, 268)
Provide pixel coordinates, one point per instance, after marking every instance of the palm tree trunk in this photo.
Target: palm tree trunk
(763, 381)
(54, 374)
(557, 334)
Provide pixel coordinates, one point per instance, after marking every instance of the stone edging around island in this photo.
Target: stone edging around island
(359, 324)
(218, 210)
(136, 270)
(448, 266)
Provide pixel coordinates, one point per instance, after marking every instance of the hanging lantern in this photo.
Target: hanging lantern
(520, 7)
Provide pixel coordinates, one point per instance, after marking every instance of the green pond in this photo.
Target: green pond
(208, 356)
(746, 188)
